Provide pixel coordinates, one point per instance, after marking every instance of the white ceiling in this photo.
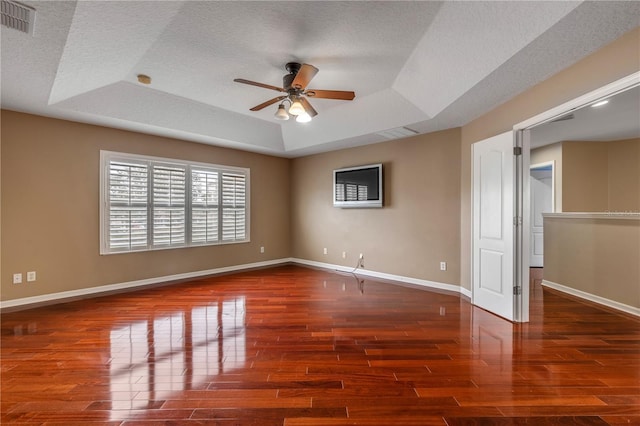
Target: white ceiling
(425, 65)
(617, 120)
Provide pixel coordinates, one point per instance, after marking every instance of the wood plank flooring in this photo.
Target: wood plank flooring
(296, 346)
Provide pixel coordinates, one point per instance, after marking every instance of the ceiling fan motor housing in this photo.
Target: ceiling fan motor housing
(293, 68)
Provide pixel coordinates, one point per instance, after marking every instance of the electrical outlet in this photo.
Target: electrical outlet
(261, 249)
(443, 266)
(17, 278)
(344, 254)
(31, 276)
(324, 250)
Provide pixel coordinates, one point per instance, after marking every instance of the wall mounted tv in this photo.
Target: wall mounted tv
(360, 186)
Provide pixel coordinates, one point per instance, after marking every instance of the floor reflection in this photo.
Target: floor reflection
(492, 338)
(180, 351)
(348, 280)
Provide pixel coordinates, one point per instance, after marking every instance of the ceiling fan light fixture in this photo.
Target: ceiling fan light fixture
(281, 113)
(303, 118)
(296, 108)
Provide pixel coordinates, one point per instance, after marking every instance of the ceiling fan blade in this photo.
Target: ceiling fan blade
(255, 83)
(307, 107)
(331, 94)
(304, 76)
(267, 103)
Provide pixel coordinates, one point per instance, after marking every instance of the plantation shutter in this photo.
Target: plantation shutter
(169, 205)
(128, 184)
(233, 207)
(340, 194)
(150, 203)
(204, 206)
(362, 192)
(352, 192)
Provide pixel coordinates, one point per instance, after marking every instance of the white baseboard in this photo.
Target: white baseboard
(132, 285)
(385, 276)
(94, 291)
(465, 292)
(593, 298)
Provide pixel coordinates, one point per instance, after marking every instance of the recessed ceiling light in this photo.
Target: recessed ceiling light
(144, 79)
(597, 104)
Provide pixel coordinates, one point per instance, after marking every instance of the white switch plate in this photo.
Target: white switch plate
(31, 276)
(344, 254)
(17, 278)
(324, 250)
(261, 249)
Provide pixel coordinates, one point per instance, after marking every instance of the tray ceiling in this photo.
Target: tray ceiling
(422, 65)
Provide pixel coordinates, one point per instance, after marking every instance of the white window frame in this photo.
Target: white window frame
(106, 157)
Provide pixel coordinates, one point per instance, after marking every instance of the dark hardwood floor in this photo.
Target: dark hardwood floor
(298, 346)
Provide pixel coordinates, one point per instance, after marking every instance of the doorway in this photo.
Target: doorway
(541, 188)
(519, 256)
(575, 120)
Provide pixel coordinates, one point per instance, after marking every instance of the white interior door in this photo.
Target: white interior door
(493, 225)
(541, 181)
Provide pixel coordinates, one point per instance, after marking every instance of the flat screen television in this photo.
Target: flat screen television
(360, 186)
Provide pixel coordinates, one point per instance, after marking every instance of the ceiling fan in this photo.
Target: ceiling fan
(294, 85)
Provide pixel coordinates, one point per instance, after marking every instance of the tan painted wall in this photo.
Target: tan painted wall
(418, 226)
(50, 200)
(601, 176)
(585, 176)
(551, 153)
(597, 256)
(614, 61)
(624, 176)
(414, 232)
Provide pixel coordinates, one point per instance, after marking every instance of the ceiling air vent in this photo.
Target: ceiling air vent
(563, 118)
(398, 132)
(17, 16)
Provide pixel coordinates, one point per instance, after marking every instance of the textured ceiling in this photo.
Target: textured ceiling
(425, 65)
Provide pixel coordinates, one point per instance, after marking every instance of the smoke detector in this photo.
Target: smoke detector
(144, 79)
(17, 16)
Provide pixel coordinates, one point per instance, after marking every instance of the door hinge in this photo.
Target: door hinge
(517, 150)
(517, 291)
(517, 221)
